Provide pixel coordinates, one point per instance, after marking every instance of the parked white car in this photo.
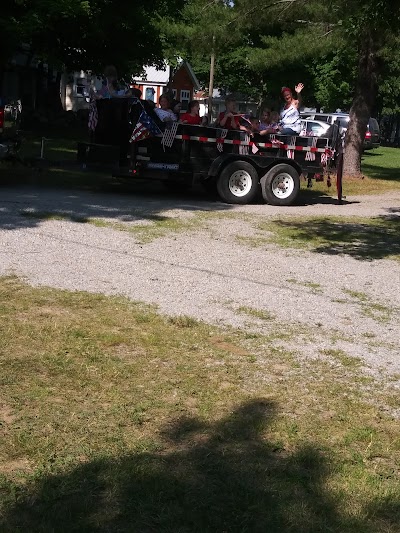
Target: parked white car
(372, 135)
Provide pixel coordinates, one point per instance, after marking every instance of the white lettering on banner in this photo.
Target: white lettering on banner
(163, 166)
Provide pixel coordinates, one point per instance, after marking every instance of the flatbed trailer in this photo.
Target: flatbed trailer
(239, 166)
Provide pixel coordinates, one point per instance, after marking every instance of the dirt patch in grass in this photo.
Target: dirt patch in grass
(6, 415)
(125, 416)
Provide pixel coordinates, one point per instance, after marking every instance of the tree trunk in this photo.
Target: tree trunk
(53, 91)
(363, 103)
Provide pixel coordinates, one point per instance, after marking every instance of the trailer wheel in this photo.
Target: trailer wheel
(238, 183)
(280, 185)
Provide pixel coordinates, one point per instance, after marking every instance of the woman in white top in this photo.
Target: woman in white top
(290, 123)
(164, 112)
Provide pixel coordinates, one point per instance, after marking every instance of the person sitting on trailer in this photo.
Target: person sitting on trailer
(229, 119)
(290, 123)
(273, 126)
(265, 119)
(254, 124)
(176, 107)
(164, 112)
(192, 116)
(111, 87)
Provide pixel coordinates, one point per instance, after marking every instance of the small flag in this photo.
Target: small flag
(254, 148)
(145, 127)
(274, 141)
(221, 134)
(244, 149)
(169, 134)
(291, 147)
(310, 156)
(328, 154)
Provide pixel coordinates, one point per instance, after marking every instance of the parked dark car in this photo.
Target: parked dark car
(10, 118)
(372, 136)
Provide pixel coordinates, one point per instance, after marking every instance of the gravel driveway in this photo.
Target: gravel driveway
(326, 301)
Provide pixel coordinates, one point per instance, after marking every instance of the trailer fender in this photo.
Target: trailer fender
(223, 160)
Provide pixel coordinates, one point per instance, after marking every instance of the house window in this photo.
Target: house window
(185, 97)
(80, 87)
(174, 93)
(149, 93)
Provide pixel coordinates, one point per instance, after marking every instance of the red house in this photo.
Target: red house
(182, 82)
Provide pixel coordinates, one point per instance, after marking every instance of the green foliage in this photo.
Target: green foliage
(334, 76)
(87, 34)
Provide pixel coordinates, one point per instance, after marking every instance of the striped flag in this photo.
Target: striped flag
(221, 134)
(145, 127)
(274, 141)
(291, 147)
(169, 134)
(310, 156)
(244, 149)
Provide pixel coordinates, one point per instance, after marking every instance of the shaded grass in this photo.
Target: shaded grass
(361, 238)
(112, 415)
(382, 164)
(155, 227)
(55, 149)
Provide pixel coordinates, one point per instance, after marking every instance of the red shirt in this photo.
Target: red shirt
(190, 119)
(228, 123)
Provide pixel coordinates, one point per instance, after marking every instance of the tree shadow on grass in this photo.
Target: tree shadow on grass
(222, 477)
(377, 238)
(382, 173)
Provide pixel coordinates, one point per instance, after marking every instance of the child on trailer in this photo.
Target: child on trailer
(273, 126)
(254, 125)
(192, 116)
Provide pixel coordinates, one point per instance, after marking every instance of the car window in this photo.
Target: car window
(324, 118)
(342, 122)
(373, 125)
(315, 129)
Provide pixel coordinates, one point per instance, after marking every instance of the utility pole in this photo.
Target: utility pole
(211, 84)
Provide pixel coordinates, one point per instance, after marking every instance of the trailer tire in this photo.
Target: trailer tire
(280, 185)
(238, 183)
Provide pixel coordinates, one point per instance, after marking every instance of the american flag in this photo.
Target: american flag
(145, 127)
(169, 134)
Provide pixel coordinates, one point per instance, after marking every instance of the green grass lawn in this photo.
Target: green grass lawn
(381, 170)
(114, 418)
(382, 163)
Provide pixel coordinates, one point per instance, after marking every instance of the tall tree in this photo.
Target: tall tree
(87, 34)
(341, 43)
(360, 30)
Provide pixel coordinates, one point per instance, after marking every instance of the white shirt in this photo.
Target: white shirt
(164, 115)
